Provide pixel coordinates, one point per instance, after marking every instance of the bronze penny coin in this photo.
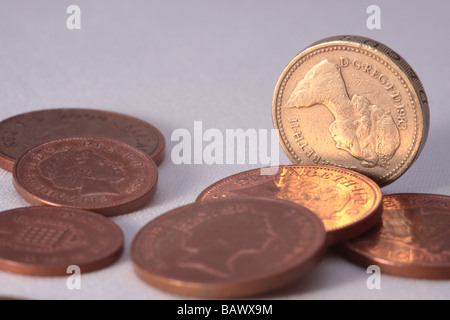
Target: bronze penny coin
(45, 241)
(352, 102)
(228, 248)
(29, 129)
(97, 174)
(347, 202)
(412, 241)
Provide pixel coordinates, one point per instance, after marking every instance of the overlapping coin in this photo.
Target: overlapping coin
(24, 131)
(347, 202)
(352, 116)
(97, 174)
(229, 248)
(45, 241)
(413, 240)
(352, 102)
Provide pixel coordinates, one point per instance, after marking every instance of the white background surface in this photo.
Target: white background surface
(173, 62)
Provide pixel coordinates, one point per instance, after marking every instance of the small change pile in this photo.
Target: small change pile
(76, 167)
(352, 116)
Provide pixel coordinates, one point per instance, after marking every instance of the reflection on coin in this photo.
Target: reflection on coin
(347, 202)
(229, 248)
(29, 129)
(352, 102)
(45, 241)
(97, 174)
(413, 240)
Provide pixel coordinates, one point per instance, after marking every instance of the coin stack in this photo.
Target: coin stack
(352, 117)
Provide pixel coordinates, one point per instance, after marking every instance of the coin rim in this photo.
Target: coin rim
(7, 162)
(43, 270)
(421, 108)
(232, 289)
(122, 207)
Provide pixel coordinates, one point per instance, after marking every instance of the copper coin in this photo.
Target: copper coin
(348, 203)
(352, 102)
(228, 248)
(45, 241)
(29, 129)
(97, 174)
(413, 240)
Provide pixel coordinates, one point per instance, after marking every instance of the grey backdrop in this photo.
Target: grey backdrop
(173, 62)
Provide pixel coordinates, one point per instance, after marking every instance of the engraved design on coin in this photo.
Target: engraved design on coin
(229, 247)
(97, 174)
(347, 203)
(416, 234)
(413, 240)
(82, 170)
(41, 235)
(218, 256)
(23, 131)
(44, 241)
(362, 129)
(326, 199)
(377, 84)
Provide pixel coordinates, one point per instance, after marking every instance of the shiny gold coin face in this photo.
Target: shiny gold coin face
(348, 203)
(353, 103)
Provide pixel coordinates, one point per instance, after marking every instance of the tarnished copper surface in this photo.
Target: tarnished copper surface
(352, 102)
(96, 174)
(45, 241)
(413, 240)
(347, 202)
(228, 248)
(29, 129)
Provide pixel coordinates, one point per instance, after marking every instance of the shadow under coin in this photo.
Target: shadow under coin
(321, 282)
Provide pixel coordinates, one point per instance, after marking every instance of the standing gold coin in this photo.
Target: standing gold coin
(348, 203)
(352, 102)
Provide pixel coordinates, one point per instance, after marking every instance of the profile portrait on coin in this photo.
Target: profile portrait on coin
(219, 256)
(325, 200)
(361, 128)
(83, 171)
